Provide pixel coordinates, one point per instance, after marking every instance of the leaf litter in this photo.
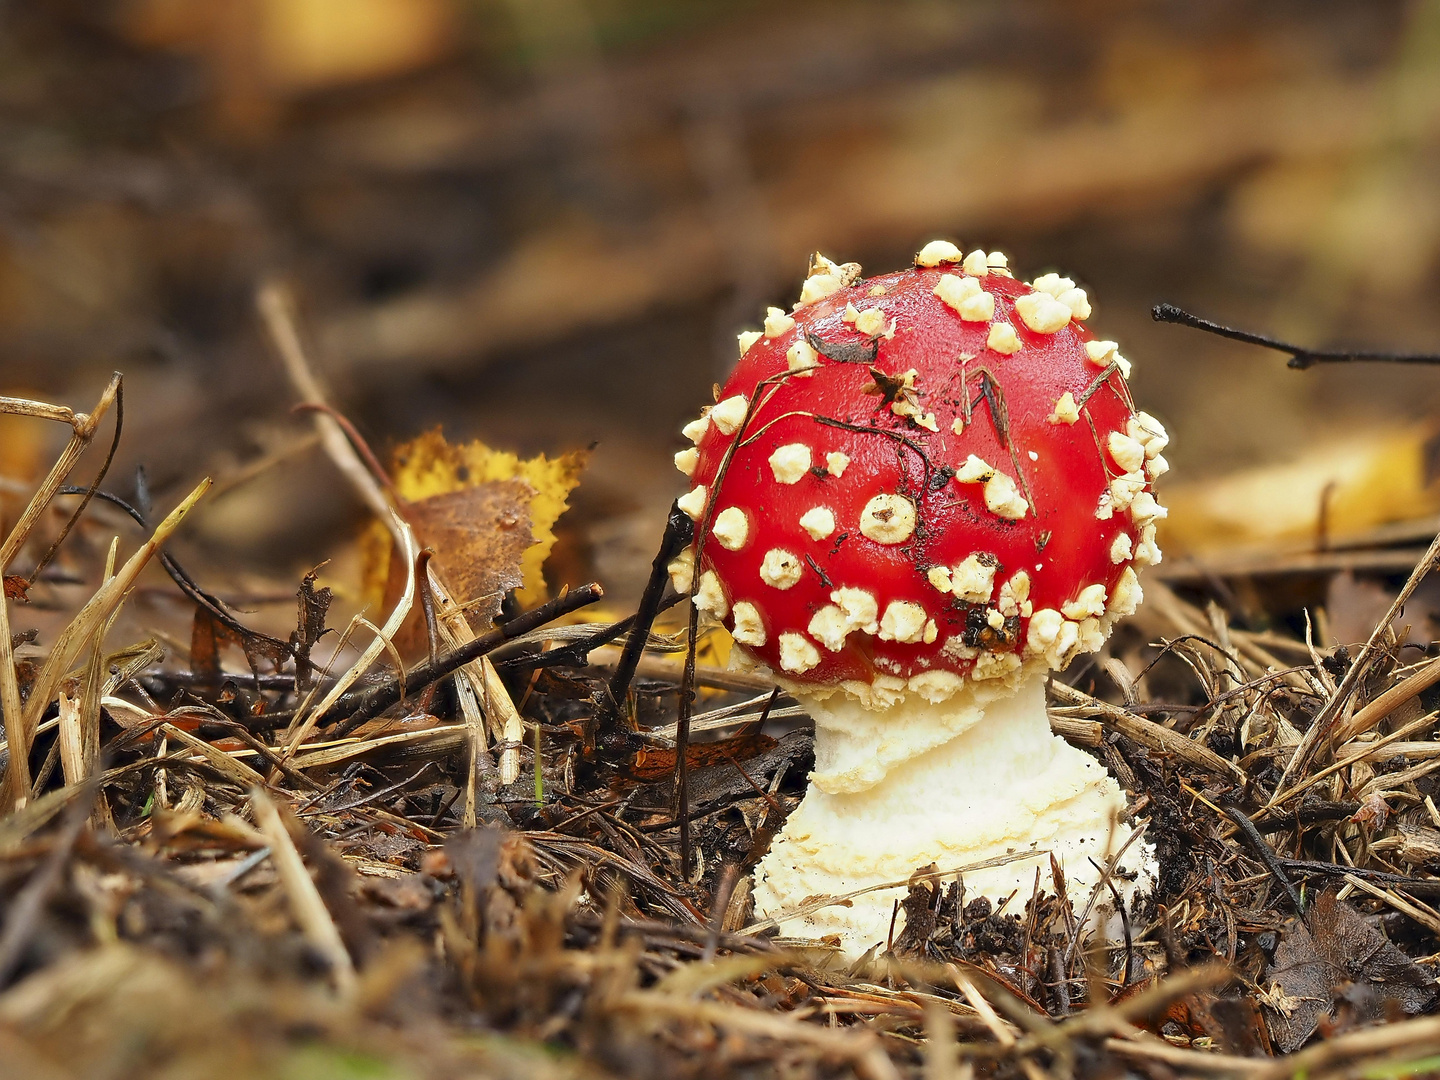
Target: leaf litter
(328, 868)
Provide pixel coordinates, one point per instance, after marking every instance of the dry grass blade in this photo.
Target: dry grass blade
(471, 682)
(1321, 726)
(511, 727)
(73, 639)
(1200, 1063)
(40, 410)
(10, 694)
(1148, 733)
(1422, 915)
(861, 1048)
(276, 309)
(1329, 770)
(1407, 689)
(83, 427)
(1004, 1033)
(998, 1028)
(236, 771)
(942, 1057)
(305, 900)
(498, 706)
(17, 828)
(79, 717)
(433, 742)
(1419, 1037)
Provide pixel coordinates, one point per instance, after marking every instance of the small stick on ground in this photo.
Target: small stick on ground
(305, 900)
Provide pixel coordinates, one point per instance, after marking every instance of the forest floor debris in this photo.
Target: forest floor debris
(355, 859)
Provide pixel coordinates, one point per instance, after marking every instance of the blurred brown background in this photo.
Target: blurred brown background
(542, 222)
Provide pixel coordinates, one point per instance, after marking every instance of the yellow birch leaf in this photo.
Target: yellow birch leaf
(429, 467)
(1366, 480)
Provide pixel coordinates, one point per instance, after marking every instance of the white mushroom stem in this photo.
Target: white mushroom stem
(954, 783)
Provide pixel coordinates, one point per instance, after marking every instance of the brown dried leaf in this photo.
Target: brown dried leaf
(479, 535)
(312, 605)
(208, 635)
(205, 643)
(1336, 962)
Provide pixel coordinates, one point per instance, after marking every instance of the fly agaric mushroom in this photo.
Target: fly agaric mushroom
(915, 496)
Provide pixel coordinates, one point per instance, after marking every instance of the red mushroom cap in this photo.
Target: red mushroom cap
(939, 475)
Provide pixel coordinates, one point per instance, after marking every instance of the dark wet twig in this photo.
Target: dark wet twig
(1266, 854)
(1420, 888)
(372, 703)
(1124, 926)
(576, 653)
(267, 753)
(379, 793)
(1300, 356)
(678, 531)
(1315, 814)
(361, 705)
(729, 877)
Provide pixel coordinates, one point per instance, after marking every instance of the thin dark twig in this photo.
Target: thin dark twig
(729, 876)
(47, 770)
(239, 731)
(213, 605)
(897, 437)
(573, 818)
(157, 682)
(1266, 854)
(674, 823)
(360, 446)
(769, 799)
(445, 807)
(824, 577)
(576, 653)
(678, 531)
(692, 628)
(358, 706)
(1315, 814)
(687, 708)
(89, 493)
(845, 425)
(1300, 357)
(1124, 925)
(1099, 381)
(994, 395)
(1168, 645)
(1420, 888)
